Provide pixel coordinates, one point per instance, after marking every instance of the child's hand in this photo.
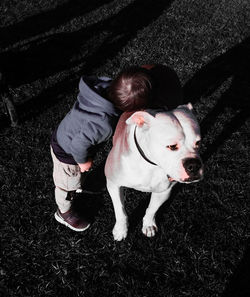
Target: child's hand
(86, 166)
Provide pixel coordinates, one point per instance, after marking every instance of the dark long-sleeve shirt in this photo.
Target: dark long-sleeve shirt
(91, 121)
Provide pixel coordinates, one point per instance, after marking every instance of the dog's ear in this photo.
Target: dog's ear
(190, 106)
(140, 118)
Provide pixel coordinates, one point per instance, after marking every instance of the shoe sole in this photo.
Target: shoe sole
(61, 220)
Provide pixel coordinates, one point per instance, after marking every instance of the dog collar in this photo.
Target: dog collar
(140, 149)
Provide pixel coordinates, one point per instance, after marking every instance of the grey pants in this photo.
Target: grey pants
(66, 178)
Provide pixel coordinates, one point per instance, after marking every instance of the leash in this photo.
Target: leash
(140, 149)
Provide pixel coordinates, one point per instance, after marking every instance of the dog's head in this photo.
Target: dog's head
(171, 140)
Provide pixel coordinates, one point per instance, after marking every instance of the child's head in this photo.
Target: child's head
(131, 89)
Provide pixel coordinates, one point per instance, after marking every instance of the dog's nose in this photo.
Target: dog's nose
(192, 166)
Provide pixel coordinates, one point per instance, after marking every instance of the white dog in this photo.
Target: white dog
(150, 154)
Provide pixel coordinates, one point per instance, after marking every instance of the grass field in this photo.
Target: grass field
(203, 247)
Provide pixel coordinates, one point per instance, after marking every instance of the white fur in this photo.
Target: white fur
(125, 167)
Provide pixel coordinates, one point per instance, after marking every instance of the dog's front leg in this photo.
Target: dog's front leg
(149, 227)
(121, 226)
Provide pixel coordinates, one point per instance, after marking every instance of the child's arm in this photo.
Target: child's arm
(86, 166)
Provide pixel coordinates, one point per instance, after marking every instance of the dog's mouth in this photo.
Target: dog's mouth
(170, 178)
(192, 179)
(188, 180)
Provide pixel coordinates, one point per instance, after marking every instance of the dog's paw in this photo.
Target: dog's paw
(149, 231)
(120, 231)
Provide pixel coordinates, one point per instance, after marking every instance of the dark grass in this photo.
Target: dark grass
(202, 248)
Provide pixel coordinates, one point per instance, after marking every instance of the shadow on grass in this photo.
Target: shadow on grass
(239, 283)
(62, 51)
(42, 22)
(233, 64)
(89, 203)
(86, 48)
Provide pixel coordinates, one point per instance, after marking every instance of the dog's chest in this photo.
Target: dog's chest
(156, 182)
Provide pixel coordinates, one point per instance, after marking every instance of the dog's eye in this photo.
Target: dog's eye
(173, 147)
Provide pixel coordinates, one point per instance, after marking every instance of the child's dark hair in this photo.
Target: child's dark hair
(131, 89)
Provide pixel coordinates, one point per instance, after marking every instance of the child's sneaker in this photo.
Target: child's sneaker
(71, 220)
